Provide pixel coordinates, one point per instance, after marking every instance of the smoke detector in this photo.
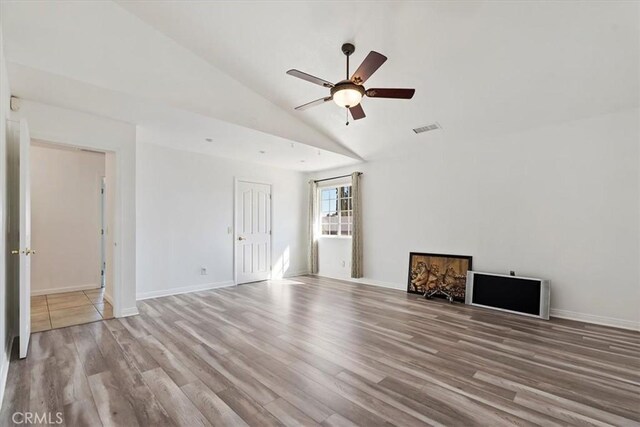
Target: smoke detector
(428, 128)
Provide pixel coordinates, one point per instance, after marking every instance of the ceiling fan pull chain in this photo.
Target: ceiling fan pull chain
(347, 115)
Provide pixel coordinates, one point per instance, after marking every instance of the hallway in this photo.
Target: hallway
(68, 309)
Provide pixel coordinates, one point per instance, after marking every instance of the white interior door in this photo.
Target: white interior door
(25, 239)
(252, 232)
(18, 149)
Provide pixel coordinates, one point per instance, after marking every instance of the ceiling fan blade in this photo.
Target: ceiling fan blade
(390, 93)
(357, 112)
(309, 78)
(371, 63)
(313, 103)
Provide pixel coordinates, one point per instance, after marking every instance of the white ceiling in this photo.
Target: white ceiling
(97, 57)
(173, 127)
(479, 68)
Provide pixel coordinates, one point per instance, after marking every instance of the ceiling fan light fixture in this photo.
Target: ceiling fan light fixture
(347, 94)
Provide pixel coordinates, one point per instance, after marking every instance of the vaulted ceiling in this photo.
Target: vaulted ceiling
(479, 68)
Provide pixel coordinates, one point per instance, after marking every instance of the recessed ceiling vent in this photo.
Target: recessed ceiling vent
(427, 128)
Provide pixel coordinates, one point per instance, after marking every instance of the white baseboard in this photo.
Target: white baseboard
(295, 273)
(131, 311)
(597, 320)
(183, 290)
(62, 290)
(562, 314)
(197, 288)
(108, 298)
(4, 370)
(365, 281)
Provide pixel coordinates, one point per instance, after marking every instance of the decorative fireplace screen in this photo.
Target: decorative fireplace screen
(430, 272)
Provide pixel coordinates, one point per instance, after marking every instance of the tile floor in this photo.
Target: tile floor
(67, 309)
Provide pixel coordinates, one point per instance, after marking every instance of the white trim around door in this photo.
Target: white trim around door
(252, 230)
(119, 255)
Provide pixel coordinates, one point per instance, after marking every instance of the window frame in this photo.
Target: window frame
(335, 186)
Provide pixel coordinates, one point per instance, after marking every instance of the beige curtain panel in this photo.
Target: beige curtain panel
(313, 226)
(356, 234)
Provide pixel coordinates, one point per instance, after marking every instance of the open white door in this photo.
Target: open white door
(20, 227)
(253, 232)
(25, 238)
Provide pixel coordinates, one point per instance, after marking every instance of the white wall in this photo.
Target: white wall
(65, 219)
(6, 323)
(185, 206)
(558, 202)
(70, 127)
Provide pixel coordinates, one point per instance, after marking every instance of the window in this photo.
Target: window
(336, 211)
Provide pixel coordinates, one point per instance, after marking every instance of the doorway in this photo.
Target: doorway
(19, 229)
(68, 188)
(252, 231)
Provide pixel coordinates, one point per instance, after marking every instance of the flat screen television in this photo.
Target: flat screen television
(521, 295)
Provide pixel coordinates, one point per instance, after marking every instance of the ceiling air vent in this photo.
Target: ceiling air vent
(427, 128)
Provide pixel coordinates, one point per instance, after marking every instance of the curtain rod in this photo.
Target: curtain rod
(335, 177)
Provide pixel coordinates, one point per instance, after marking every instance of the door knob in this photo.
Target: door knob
(242, 238)
(26, 252)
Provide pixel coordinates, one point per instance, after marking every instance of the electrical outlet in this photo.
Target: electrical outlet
(203, 271)
(229, 230)
(344, 264)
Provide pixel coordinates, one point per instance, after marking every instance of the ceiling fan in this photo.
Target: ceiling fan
(348, 93)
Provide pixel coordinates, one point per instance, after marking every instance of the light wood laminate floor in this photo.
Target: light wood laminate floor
(68, 309)
(316, 351)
